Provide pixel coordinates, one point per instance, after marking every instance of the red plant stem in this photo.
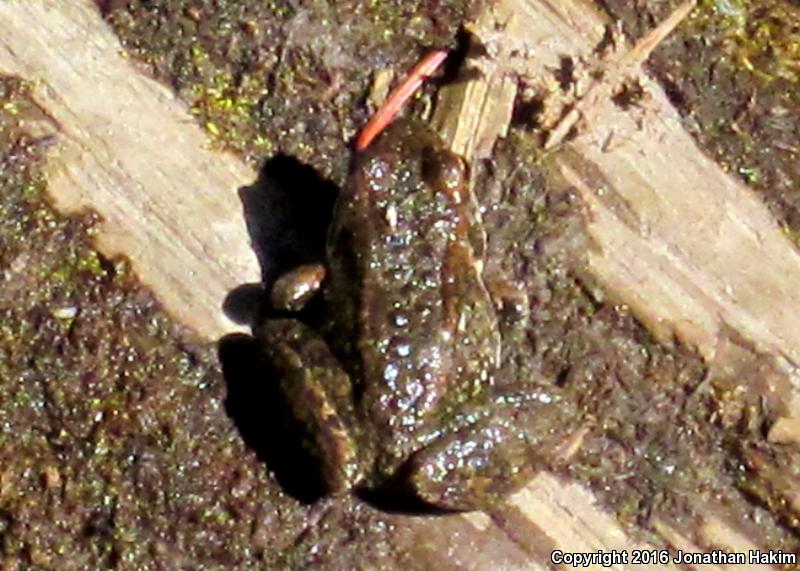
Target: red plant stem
(397, 99)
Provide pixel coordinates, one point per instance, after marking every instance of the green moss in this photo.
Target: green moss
(763, 36)
(90, 262)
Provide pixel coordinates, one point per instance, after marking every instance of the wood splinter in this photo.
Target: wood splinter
(625, 66)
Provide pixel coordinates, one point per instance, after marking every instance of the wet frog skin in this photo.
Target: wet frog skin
(397, 388)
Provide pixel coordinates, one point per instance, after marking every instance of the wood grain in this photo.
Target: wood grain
(690, 249)
(122, 152)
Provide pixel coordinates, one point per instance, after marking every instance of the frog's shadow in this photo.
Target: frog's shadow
(287, 211)
(259, 411)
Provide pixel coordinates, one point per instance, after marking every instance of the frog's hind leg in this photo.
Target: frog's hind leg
(319, 393)
(475, 466)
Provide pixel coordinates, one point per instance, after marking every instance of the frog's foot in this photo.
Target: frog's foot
(319, 393)
(473, 468)
(477, 465)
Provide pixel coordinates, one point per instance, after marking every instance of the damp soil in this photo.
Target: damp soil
(125, 443)
(282, 76)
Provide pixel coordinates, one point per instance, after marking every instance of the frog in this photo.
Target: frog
(397, 387)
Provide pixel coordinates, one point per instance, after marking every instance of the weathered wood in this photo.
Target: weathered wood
(122, 151)
(718, 277)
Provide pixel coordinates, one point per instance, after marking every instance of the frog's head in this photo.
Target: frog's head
(408, 155)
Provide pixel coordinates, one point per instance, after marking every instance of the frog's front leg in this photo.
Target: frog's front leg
(293, 290)
(476, 465)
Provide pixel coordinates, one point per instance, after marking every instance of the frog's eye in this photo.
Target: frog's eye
(443, 169)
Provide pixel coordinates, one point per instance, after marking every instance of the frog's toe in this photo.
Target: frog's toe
(472, 468)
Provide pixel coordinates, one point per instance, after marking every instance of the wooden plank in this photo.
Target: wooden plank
(128, 149)
(717, 277)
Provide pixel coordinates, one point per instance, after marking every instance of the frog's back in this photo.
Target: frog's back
(407, 288)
